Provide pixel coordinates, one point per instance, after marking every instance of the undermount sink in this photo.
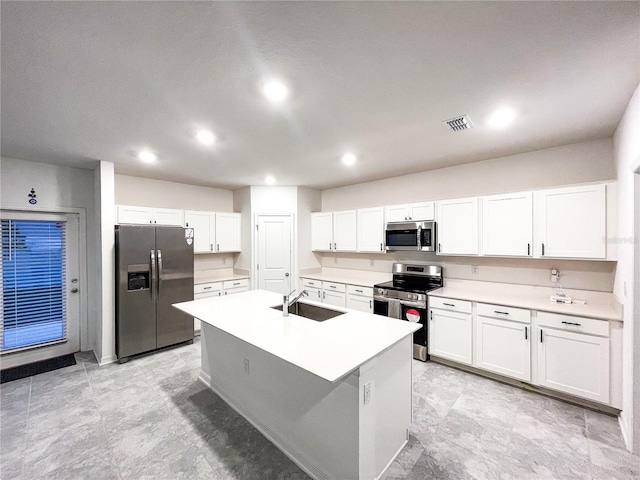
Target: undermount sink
(312, 312)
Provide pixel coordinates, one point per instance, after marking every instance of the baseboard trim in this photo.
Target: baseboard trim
(294, 454)
(627, 434)
(106, 360)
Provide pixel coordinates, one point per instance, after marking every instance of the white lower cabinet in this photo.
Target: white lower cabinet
(235, 286)
(334, 294)
(451, 333)
(559, 352)
(572, 361)
(360, 298)
(503, 340)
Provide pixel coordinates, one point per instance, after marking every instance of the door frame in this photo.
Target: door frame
(85, 288)
(255, 248)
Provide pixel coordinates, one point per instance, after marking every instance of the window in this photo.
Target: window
(33, 283)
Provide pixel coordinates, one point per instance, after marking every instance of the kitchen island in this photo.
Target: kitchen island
(334, 396)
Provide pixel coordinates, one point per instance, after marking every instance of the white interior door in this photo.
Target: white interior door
(40, 287)
(274, 253)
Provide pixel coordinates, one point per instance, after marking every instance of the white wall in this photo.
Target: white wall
(58, 189)
(309, 200)
(158, 193)
(105, 346)
(578, 163)
(626, 145)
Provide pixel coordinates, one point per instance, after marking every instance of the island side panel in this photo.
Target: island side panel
(386, 417)
(313, 421)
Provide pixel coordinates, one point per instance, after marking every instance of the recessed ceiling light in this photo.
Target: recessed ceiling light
(147, 156)
(205, 137)
(349, 159)
(502, 118)
(275, 91)
(269, 180)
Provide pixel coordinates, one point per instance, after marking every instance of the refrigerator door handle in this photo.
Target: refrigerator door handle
(153, 275)
(159, 270)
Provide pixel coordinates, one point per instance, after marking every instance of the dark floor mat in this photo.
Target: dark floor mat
(35, 368)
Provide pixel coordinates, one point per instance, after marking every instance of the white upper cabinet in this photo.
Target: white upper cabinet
(571, 222)
(458, 225)
(134, 214)
(149, 215)
(214, 232)
(507, 224)
(345, 231)
(334, 231)
(370, 233)
(322, 231)
(227, 232)
(204, 230)
(410, 212)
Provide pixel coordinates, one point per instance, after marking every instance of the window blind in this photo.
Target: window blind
(33, 284)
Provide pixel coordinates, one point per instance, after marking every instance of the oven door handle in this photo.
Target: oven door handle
(381, 298)
(408, 303)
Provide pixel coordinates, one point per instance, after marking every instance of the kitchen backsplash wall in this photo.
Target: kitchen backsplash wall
(574, 274)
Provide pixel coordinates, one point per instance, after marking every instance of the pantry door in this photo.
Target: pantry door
(273, 240)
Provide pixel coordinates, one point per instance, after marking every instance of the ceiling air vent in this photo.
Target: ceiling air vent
(459, 123)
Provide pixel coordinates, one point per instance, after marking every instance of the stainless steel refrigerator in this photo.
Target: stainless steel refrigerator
(154, 269)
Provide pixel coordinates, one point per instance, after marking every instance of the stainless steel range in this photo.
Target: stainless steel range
(405, 298)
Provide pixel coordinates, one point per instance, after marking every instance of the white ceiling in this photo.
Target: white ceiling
(86, 81)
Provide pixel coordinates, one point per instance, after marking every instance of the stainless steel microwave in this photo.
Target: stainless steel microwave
(410, 236)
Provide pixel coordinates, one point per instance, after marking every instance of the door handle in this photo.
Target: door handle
(74, 290)
(543, 249)
(217, 247)
(211, 247)
(286, 274)
(153, 274)
(526, 333)
(159, 270)
(528, 249)
(330, 246)
(381, 249)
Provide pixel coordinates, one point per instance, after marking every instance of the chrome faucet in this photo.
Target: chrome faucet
(286, 303)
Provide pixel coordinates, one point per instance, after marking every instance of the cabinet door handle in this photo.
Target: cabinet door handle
(528, 249)
(324, 295)
(526, 333)
(501, 313)
(332, 286)
(449, 304)
(237, 283)
(218, 247)
(207, 288)
(440, 247)
(572, 323)
(370, 303)
(381, 249)
(211, 247)
(335, 247)
(330, 246)
(540, 336)
(359, 291)
(431, 316)
(543, 249)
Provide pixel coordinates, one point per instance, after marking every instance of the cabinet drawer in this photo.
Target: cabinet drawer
(573, 324)
(334, 287)
(308, 282)
(358, 290)
(243, 282)
(450, 304)
(504, 313)
(207, 287)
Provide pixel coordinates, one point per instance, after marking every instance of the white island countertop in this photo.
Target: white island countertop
(330, 349)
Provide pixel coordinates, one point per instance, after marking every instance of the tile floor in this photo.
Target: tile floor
(151, 419)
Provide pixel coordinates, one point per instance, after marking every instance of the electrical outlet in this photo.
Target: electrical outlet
(247, 368)
(475, 269)
(555, 274)
(371, 263)
(368, 391)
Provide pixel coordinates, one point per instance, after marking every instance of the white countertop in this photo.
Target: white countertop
(329, 349)
(350, 277)
(213, 276)
(599, 305)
